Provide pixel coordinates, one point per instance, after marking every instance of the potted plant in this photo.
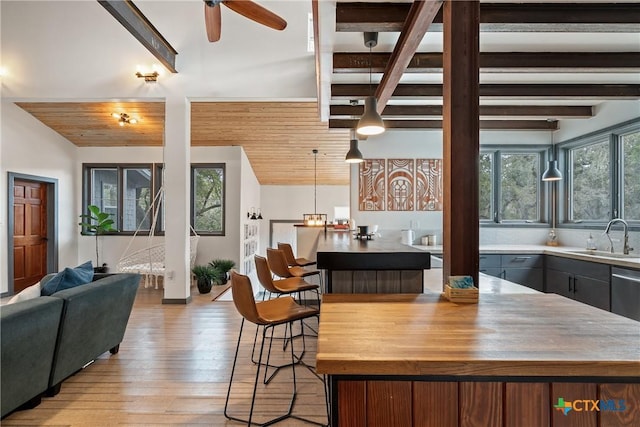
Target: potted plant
(224, 265)
(205, 275)
(97, 223)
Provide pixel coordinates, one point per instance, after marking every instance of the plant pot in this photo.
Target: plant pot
(204, 285)
(224, 279)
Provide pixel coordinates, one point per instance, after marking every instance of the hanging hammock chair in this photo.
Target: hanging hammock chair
(149, 261)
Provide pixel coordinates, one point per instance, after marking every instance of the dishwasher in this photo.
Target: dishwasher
(625, 292)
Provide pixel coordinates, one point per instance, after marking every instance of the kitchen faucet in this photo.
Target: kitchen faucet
(626, 248)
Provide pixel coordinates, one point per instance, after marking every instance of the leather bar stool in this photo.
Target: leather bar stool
(291, 258)
(278, 264)
(268, 315)
(286, 286)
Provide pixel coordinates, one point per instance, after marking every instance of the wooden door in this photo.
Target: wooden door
(29, 233)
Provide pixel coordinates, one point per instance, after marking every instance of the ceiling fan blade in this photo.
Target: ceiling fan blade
(213, 22)
(256, 13)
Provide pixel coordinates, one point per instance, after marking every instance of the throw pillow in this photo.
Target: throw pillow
(69, 278)
(31, 292)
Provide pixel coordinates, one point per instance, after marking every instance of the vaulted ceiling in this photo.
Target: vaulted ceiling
(540, 63)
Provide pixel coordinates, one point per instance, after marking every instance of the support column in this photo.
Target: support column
(461, 139)
(177, 159)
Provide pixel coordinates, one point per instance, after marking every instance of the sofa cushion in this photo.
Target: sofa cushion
(69, 278)
(31, 292)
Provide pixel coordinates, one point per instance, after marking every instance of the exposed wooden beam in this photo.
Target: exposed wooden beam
(556, 17)
(357, 62)
(552, 91)
(142, 29)
(531, 125)
(316, 49)
(424, 111)
(416, 25)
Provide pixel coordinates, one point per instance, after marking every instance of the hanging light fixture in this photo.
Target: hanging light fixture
(353, 155)
(315, 219)
(370, 123)
(552, 173)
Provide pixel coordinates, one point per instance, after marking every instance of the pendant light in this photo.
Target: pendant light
(354, 155)
(370, 123)
(552, 173)
(315, 218)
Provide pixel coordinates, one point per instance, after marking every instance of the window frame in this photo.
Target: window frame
(192, 213)
(87, 186)
(612, 135)
(544, 152)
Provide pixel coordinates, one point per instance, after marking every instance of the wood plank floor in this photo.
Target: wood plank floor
(173, 369)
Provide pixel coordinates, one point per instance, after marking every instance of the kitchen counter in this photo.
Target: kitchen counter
(509, 352)
(375, 265)
(631, 261)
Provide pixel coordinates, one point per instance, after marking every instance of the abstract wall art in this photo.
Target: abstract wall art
(371, 185)
(429, 184)
(400, 182)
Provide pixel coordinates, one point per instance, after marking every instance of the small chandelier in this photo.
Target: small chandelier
(124, 119)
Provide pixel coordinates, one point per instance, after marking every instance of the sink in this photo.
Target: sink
(604, 254)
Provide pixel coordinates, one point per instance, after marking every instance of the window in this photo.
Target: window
(123, 191)
(510, 186)
(590, 182)
(208, 198)
(602, 172)
(630, 153)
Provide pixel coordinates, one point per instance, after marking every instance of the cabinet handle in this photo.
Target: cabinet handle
(569, 279)
(575, 285)
(521, 258)
(620, 276)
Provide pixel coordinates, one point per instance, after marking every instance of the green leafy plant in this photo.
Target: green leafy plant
(97, 223)
(222, 265)
(204, 272)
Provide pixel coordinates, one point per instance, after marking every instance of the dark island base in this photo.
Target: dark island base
(424, 402)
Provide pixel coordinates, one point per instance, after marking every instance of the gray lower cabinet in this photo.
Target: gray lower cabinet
(625, 292)
(587, 282)
(523, 269)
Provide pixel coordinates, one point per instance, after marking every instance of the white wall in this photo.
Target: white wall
(250, 198)
(291, 202)
(29, 147)
(606, 114)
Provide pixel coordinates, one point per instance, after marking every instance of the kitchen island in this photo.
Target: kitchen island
(510, 360)
(370, 265)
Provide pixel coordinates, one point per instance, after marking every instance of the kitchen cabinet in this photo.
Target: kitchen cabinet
(584, 281)
(625, 292)
(523, 269)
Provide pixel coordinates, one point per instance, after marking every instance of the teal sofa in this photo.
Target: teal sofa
(48, 339)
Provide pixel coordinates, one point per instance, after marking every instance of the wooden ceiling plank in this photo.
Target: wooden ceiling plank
(497, 17)
(555, 111)
(534, 90)
(420, 16)
(532, 125)
(431, 62)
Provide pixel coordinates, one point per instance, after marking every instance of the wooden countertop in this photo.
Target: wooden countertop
(502, 335)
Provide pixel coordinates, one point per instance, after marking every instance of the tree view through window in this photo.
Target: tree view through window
(208, 198)
(590, 182)
(510, 181)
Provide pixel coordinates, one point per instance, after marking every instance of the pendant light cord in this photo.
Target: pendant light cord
(315, 181)
(370, 71)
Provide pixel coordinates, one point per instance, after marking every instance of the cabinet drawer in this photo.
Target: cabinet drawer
(489, 261)
(521, 261)
(583, 268)
(492, 271)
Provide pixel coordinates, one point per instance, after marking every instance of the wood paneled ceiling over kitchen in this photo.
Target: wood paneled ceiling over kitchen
(278, 138)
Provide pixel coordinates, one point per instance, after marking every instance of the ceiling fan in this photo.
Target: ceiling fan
(246, 8)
